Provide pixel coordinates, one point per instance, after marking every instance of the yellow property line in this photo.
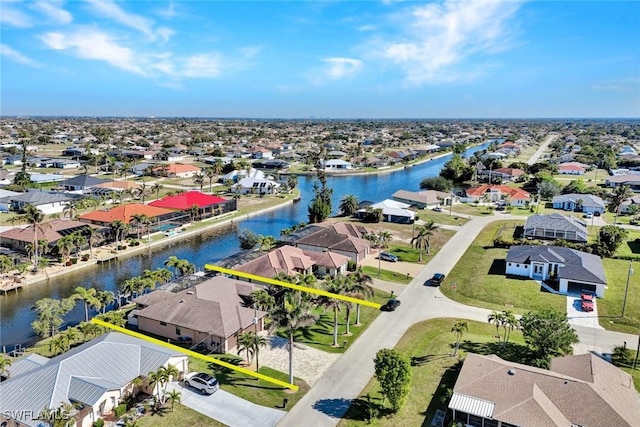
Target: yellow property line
(196, 355)
(292, 286)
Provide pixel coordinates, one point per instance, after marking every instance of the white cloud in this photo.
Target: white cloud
(628, 85)
(93, 44)
(13, 55)
(14, 17)
(339, 68)
(110, 9)
(168, 12)
(53, 11)
(442, 36)
(203, 65)
(165, 33)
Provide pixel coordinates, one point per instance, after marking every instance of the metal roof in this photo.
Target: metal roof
(471, 405)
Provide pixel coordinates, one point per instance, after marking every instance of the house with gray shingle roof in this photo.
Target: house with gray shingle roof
(95, 376)
(584, 202)
(581, 390)
(575, 270)
(48, 202)
(555, 226)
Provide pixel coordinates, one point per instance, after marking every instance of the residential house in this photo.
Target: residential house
(46, 178)
(505, 174)
(208, 205)
(575, 270)
(337, 165)
(342, 238)
(249, 185)
(582, 390)
(632, 180)
(555, 226)
(572, 168)
(177, 170)
(82, 183)
(51, 231)
(494, 193)
(276, 164)
(5, 199)
(66, 164)
(423, 199)
(95, 376)
(293, 260)
(582, 202)
(261, 153)
(624, 208)
(48, 202)
(392, 211)
(212, 313)
(160, 218)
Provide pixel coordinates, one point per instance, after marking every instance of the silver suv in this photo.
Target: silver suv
(203, 382)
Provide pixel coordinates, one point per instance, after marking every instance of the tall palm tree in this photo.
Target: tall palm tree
(88, 296)
(359, 287)
(65, 247)
(258, 341)
(34, 216)
(174, 397)
(185, 267)
(168, 373)
(349, 205)
(496, 318)
(198, 179)
(210, 173)
(266, 242)
(93, 236)
(245, 343)
(616, 198)
(173, 262)
(420, 242)
(119, 229)
(459, 328)
(292, 315)
(335, 286)
(138, 219)
(156, 187)
(70, 208)
(509, 323)
(263, 300)
(105, 298)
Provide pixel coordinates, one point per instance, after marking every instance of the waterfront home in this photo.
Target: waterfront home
(574, 270)
(581, 202)
(341, 238)
(292, 260)
(212, 313)
(250, 185)
(581, 390)
(160, 218)
(392, 211)
(208, 205)
(337, 165)
(493, 193)
(423, 199)
(505, 174)
(95, 377)
(555, 226)
(50, 231)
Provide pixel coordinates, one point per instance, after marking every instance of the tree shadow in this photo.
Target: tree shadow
(498, 267)
(518, 231)
(423, 360)
(362, 408)
(226, 375)
(508, 351)
(442, 394)
(634, 245)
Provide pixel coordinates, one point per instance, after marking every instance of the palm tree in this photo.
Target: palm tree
(65, 247)
(194, 211)
(155, 379)
(174, 397)
(496, 318)
(508, 324)
(198, 179)
(138, 219)
(34, 216)
(173, 262)
(88, 296)
(459, 328)
(258, 341)
(58, 343)
(184, 267)
(385, 238)
(156, 189)
(420, 242)
(168, 373)
(119, 229)
(266, 242)
(78, 240)
(72, 336)
(93, 236)
(359, 287)
(70, 208)
(210, 173)
(292, 315)
(335, 286)
(349, 205)
(616, 198)
(6, 262)
(263, 300)
(245, 343)
(105, 298)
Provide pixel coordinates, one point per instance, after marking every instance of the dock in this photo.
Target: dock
(7, 287)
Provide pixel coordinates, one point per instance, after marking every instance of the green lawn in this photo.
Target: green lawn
(442, 217)
(320, 336)
(254, 390)
(435, 370)
(610, 307)
(180, 416)
(480, 281)
(386, 275)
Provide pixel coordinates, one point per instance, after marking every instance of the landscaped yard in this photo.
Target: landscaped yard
(434, 371)
(249, 388)
(181, 416)
(387, 275)
(442, 217)
(610, 307)
(480, 281)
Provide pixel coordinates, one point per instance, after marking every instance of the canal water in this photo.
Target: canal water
(16, 314)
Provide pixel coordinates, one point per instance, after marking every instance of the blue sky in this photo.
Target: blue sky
(338, 59)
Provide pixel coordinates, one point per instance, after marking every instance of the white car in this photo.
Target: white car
(201, 381)
(588, 215)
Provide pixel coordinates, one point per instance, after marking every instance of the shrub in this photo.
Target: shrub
(352, 265)
(98, 423)
(120, 410)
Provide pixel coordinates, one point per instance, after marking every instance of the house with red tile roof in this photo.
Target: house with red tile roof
(177, 170)
(208, 205)
(494, 193)
(572, 168)
(161, 218)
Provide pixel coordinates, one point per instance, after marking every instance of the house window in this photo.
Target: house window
(163, 323)
(474, 421)
(178, 331)
(490, 423)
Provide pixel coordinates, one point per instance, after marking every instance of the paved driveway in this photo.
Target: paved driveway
(577, 317)
(227, 408)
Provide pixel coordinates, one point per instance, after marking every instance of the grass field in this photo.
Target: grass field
(180, 416)
(480, 281)
(249, 388)
(387, 275)
(610, 307)
(435, 371)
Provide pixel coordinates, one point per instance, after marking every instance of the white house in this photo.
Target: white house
(250, 185)
(337, 165)
(575, 270)
(392, 211)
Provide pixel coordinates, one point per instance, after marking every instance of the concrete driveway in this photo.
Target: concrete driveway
(228, 408)
(577, 317)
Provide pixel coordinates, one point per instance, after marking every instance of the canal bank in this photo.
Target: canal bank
(205, 246)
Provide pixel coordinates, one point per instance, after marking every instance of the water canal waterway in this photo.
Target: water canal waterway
(16, 315)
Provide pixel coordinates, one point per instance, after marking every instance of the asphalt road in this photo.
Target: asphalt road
(331, 396)
(536, 156)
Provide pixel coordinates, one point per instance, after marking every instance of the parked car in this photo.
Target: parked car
(201, 381)
(587, 305)
(588, 215)
(436, 280)
(386, 256)
(437, 209)
(391, 305)
(586, 296)
(596, 213)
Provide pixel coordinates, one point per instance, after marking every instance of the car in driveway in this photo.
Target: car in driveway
(586, 305)
(437, 209)
(386, 256)
(586, 296)
(205, 383)
(391, 305)
(436, 280)
(588, 215)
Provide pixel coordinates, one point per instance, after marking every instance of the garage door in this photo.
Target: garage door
(576, 287)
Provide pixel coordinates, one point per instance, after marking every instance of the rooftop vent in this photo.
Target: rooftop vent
(181, 301)
(189, 292)
(511, 372)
